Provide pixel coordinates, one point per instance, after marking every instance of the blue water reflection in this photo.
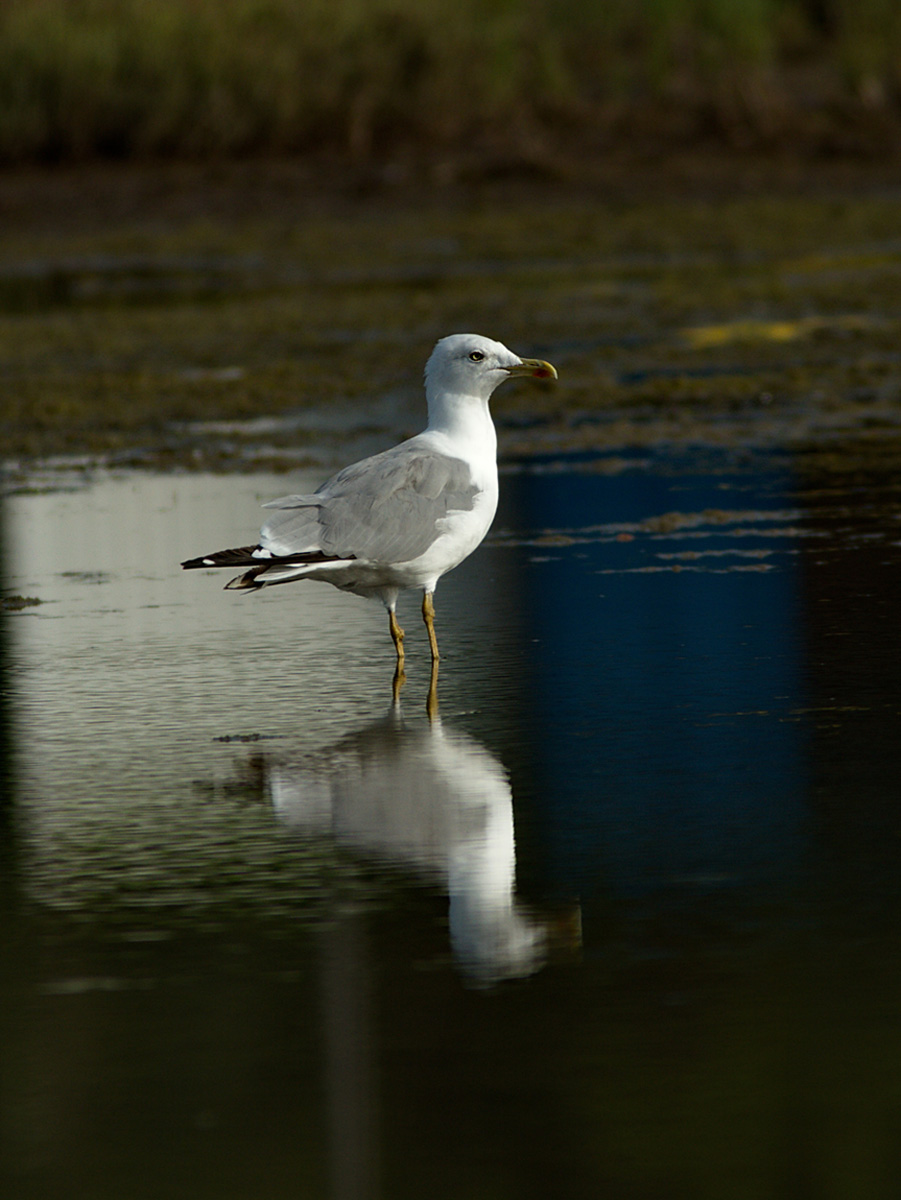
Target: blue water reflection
(666, 679)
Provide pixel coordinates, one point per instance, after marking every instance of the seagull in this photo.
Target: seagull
(403, 518)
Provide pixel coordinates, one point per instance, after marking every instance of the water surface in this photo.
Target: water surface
(622, 921)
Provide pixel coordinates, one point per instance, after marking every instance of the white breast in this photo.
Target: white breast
(461, 531)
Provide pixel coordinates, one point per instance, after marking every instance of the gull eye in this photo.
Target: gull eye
(476, 356)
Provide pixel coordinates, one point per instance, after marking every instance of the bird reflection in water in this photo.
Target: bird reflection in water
(429, 798)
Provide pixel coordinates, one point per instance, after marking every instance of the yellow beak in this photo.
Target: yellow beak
(535, 367)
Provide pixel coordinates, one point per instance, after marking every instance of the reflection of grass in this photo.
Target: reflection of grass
(85, 77)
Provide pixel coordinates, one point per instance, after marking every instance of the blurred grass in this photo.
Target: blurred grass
(81, 79)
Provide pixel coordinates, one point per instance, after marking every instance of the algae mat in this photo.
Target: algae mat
(214, 338)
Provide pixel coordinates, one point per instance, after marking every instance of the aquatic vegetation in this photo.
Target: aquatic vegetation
(16, 603)
(770, 318)
(518, 80)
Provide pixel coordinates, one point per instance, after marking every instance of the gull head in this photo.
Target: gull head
(467, 364)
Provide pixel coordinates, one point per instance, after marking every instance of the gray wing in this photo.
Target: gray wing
(385, 508)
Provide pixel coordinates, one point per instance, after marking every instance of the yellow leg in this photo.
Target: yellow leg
(398, 634)
(431, 704)
(400, 678)
(428, 615)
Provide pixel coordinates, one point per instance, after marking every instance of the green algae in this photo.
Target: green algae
(17, 603)
(770, 319)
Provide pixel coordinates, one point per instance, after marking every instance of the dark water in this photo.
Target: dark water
(622, 923)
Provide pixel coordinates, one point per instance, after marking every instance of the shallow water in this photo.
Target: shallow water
(622, 922)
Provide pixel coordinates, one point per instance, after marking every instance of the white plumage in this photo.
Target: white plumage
(405, 517)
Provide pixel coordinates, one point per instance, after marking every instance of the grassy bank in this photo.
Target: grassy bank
(368, 79)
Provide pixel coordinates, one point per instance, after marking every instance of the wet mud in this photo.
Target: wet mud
(164, 333)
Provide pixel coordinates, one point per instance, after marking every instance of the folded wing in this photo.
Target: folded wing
(387, 508)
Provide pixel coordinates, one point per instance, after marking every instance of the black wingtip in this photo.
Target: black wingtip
(240, 556)
(246, 581)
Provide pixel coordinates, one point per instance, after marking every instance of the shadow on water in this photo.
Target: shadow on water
(254, 901)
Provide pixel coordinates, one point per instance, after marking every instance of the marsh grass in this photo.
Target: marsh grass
(359, 78)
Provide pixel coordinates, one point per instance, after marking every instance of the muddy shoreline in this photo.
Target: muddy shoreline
(80, 198)
(696, 299)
